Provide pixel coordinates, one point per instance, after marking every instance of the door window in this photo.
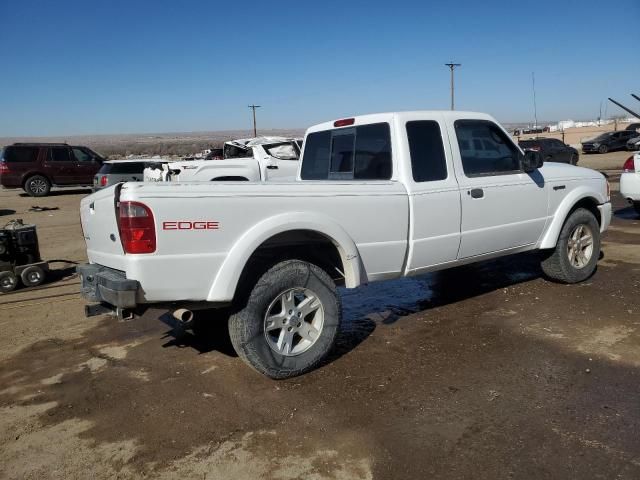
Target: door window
(428, 162)
(59, 154)
(485, 149)
(81, 155)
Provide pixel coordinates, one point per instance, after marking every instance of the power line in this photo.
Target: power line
(253, 107)
(452, 66)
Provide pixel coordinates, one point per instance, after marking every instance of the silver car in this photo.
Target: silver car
(116, 171)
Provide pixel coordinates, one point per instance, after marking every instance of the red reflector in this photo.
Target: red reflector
(103, 181)
(137, 228)
(344, 122)
(629, 165)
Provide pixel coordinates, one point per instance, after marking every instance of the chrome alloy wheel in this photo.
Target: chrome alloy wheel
(580, 246)
(38, 185)
(293, 322)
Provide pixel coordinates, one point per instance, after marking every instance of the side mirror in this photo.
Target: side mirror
(531, 160)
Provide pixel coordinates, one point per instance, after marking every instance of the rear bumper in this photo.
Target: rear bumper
(630, 186)
(106, 285)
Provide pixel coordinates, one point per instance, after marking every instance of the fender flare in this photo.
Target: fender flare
(226, 280)
(550, 237)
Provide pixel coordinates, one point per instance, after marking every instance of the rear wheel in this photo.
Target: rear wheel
(37, 186)
(574, 159)
(32, 276)
(577, 251)
(8, 281)
(290, 321)
(603, 149)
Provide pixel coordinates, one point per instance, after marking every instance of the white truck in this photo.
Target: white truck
(249, 159)
(630, 181)
(377, 197)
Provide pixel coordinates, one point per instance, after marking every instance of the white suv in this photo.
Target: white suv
(630, 181)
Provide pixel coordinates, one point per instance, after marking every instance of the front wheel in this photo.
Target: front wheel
(603, 149)
(290, 321)
(577, 251)
(574, 159)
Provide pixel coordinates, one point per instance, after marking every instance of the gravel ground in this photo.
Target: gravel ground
(483, 372)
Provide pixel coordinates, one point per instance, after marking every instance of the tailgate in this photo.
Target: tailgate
(99, 223)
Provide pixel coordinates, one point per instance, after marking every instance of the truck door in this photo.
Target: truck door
(280, 160)
(502, 206)
(434, 197)
(86, 166)
(60, 166)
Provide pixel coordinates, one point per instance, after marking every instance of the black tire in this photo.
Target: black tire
(247, 325)
(574, 159)
(37, 186)
(636, 206)
(603, 149)
(8, 281)
(557, 266)
(32, 276)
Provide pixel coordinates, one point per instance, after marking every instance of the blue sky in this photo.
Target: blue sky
(71, 67)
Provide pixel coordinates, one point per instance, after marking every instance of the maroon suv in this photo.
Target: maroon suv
(36, 167)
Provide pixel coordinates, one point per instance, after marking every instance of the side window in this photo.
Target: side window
(81, 155)
(428, 161)
(315, 164)
(21, 154)
(488, 150)
(59, 154)
(361, 153)
(282, 151)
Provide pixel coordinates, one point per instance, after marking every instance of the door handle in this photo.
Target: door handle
(272, 167)
(476, 193)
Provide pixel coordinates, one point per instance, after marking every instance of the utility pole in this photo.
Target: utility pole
(253, 107)
(535, 107)
(452, 67)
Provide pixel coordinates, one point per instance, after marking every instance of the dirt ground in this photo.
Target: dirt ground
(483, 372)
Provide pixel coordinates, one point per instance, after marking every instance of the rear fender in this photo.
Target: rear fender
(550, 237)
(226, 280)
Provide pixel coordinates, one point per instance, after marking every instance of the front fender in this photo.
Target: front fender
(226, 280)
(550, 237)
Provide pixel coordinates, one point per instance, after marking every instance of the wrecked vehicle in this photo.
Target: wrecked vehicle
(378, 197)
(249, 159)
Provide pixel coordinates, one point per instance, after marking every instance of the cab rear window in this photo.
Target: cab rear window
(356, 153)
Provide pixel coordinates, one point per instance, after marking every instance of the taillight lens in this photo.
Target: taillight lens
(629, 165)
(103, 181)
(137, 228)
(4, 168)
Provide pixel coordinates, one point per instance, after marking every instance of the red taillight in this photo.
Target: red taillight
(103, 181)
(344, 122)
(137, 228)
(4, 168)
(629, 165)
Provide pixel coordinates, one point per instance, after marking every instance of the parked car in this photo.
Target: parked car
(116, 171)
(454, 189)
(608, 141)
(634, 143)
(36, 167)
(633, 126)
(630, 181)
(552, 150)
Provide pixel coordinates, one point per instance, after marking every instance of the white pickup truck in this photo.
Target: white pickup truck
(249, 159)
(378, 197)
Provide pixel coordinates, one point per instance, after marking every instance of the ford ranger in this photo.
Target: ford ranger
(377, 197)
